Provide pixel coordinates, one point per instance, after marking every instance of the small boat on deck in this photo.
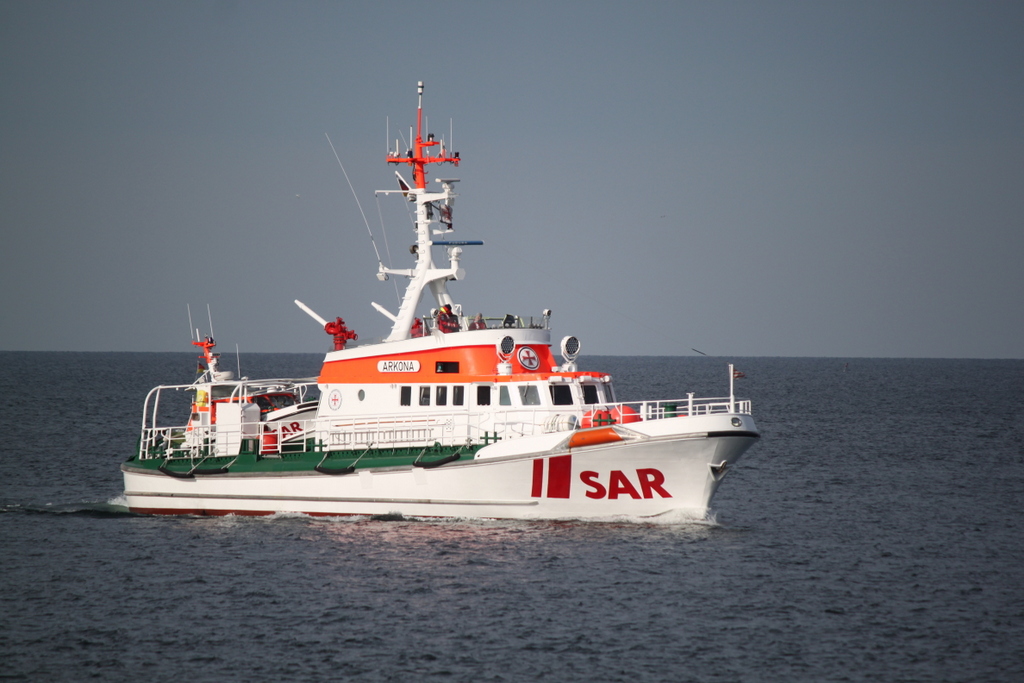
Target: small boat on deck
(450, 415)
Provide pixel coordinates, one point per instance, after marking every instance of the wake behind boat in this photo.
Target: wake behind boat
(450, 415)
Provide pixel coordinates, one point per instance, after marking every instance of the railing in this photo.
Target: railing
(654, 410)
(217, 441)
(470, 322)
(277, 439)
(234, 391)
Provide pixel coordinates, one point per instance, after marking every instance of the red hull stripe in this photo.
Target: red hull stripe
(538, 478)
(244, 513)
(559, 476)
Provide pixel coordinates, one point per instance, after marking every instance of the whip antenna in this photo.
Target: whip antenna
(372, 241)
(387, 246)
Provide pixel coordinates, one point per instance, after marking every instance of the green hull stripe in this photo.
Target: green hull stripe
(251, 462)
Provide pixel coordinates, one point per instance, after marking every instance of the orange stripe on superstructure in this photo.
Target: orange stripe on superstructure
(476, 363)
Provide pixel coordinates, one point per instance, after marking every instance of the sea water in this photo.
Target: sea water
(875, 532)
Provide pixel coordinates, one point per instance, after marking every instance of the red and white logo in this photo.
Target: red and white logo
(334, 400)
(528, 358)
(552, 478)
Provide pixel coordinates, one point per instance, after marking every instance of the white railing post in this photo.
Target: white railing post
(732, 398)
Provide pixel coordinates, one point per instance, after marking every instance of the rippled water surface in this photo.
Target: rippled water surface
(876, 532)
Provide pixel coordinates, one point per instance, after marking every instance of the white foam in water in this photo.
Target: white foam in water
(708, 517)
(686, 516)
(119, 501)
(287, 515)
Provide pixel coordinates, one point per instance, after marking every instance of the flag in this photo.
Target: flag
(402, 185)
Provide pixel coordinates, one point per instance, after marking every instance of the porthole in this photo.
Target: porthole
(736, 422)
(362, 394)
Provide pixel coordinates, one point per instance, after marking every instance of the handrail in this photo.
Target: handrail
(507, 321)
(448, 427)
(243, 388)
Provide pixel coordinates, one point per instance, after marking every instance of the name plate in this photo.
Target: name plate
(398, 366)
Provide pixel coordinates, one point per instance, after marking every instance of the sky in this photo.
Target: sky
(836, 179)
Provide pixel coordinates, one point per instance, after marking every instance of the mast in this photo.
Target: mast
(431, 207)
(212, 361)
(418, 157)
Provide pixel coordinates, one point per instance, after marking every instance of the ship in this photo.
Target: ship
(450, 415)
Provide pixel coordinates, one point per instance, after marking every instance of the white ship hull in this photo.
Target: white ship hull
(643, 476)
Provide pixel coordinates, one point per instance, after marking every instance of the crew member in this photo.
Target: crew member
(446, 320)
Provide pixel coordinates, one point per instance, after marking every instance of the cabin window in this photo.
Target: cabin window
(446, 366)
(483, 396)
(503, 398)
(529, 395)
(609, 395)
(221, 392)
(458, 395)
(442, 396)
(561, 394)
(406, 394)
(590, 394)
(424, 396)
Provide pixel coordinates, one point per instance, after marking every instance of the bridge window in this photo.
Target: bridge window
(442, 396)
(406, 396)
(503, 398)
(424, 396)
(561, 394)
(529, 395)
(446, 366)
(483, 396)
(590, 394)
(458, 395)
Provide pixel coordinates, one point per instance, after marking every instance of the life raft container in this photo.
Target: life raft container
(269, 442)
